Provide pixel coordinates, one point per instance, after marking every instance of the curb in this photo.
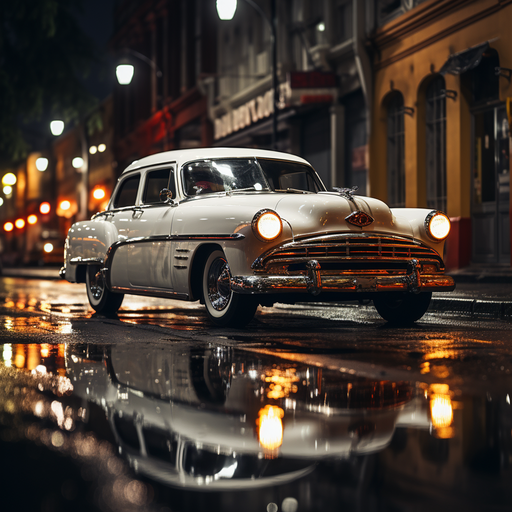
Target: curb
(474, 308)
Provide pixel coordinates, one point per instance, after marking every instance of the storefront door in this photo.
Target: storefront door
(491, 186)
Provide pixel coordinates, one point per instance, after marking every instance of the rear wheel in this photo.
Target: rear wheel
(402, 308)
(223, 307)
(100, 298)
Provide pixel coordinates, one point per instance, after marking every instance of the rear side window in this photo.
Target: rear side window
(156, 181)
(127, 192)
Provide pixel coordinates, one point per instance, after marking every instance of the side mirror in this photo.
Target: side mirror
(165, 195)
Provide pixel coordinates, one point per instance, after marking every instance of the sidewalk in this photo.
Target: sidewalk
(481, 291)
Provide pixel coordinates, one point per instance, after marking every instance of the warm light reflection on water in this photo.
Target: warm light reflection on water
(270, 429)
(441, 410)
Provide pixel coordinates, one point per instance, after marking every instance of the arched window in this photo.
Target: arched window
(436, 144)
(396, 151)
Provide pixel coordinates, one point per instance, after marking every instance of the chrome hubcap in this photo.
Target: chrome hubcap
(219, 286)
(96, 283)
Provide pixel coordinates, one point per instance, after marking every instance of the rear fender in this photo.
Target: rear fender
(87, 243)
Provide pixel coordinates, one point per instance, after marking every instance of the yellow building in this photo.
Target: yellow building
(439, 128)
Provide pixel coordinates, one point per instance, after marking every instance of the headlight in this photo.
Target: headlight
(437, 225)
(267, 225)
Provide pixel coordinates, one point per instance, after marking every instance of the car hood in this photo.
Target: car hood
(305, 213)
(327, 212)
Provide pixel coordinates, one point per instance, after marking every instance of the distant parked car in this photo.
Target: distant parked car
(235, 228)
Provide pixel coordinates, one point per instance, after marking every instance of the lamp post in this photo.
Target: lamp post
(226, 10)
(124, 74)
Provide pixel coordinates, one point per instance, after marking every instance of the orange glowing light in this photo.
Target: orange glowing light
(441, 410)
(98, 193)
(44, 208)
(270, 429)
(45, 350)
(65, 205)
(20, 223)
(8, 226)
(32, 219)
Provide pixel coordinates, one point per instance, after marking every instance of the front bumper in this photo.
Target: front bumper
(315, 283)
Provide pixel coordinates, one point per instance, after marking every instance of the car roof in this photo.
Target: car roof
(182, 156)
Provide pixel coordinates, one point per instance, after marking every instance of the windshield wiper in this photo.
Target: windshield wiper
(294, 191)
(246, 189)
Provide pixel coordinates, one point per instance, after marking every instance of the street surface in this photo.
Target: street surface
(309, 408)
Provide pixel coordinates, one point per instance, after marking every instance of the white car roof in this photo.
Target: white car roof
(182, 156)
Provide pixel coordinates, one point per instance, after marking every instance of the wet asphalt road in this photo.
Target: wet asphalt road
(157, 410)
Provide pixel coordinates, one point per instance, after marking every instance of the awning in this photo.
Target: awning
(465, 60)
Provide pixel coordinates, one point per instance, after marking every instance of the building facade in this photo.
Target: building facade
(440, 126)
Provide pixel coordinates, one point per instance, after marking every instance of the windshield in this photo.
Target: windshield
(242, 174)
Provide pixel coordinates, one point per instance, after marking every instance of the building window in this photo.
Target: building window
(396, 151)
(436, 144)
(343, 21)
(387, 10)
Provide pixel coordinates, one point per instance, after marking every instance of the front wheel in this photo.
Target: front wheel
(223, 307)
(100, 298)
(402, 308)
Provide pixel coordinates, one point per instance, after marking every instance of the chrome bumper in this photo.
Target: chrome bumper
(315, 283)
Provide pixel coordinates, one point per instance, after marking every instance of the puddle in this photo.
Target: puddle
(154, 427)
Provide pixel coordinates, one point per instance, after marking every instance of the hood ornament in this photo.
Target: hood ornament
(347, 193)
(359, 219)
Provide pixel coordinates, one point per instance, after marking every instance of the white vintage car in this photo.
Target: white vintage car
(235, 228)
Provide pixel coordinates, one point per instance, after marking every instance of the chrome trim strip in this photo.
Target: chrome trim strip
(107, 262)
(86, 261)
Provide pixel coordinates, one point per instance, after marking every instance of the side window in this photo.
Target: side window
(155, 182)
(127, 192)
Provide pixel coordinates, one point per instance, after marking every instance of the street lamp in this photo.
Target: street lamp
(125, 70)
(124, 74)
(226, 10)
(57, 127)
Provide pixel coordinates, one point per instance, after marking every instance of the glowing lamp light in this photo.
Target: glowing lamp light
(226, 9)
(44, 208)
(19, 223)
(9, 179)
(48, 247)
(77, 162)
(124, 73)
(1, 201)
(42, 164)
(98, 193)
(32, 219)
(93, 150)
(8, 226)
(270, 429)
(7, 190)
(65, 205)
(57, 127)
(102, 147)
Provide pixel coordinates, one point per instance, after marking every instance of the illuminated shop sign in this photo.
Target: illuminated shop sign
(300, 88)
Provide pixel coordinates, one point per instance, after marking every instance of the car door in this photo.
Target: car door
(120, 214)
(149, 256)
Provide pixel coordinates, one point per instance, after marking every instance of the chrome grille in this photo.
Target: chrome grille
(350, 252)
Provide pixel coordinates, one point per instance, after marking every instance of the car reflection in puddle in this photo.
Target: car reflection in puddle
(253, 432)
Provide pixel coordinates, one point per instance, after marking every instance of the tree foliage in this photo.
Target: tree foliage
(43, 55)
